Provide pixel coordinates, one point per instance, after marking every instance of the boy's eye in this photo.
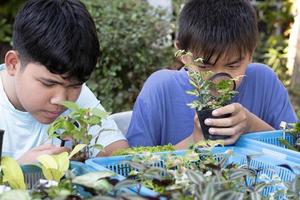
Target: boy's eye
(233, 66)
(204, 66)
(48, 84)
(76, 86)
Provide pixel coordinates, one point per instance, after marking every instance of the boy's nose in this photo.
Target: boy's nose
(218, 69)
(59, 97)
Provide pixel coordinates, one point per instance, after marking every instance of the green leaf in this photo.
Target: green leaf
(52, 174)
(89, 179)
(103, 185)
(47, 161)
(12, 173)
(99, 147)
(15, 194)
(99, 113)
(76, 149)
(255, 196)
(62, 161)
(287, 144)
(70, 105)
(125, 184)
(54, 166)
(93, 120)
(68, 126)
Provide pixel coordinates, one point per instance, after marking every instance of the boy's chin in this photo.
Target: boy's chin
(44, 120)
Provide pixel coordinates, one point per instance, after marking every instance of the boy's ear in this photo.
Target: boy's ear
(12, 61)
(184, 59)
(176, 44)
(251, 57)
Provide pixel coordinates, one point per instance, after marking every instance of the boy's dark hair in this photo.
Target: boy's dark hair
(217, 27)
(59, 34)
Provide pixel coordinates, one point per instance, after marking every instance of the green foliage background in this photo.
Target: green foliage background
(129, 30)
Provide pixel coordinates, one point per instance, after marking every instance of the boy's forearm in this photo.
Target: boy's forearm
(184, 144)
(257, 124)
(108, 150)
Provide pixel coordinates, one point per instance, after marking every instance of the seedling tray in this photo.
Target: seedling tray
(264, 163)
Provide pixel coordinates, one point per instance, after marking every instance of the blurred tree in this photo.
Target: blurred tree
(130, 33)
(8, 9)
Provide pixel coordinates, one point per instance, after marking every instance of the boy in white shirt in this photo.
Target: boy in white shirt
(55, 49)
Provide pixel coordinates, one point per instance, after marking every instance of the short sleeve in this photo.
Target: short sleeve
(280, 107)
(143, 126)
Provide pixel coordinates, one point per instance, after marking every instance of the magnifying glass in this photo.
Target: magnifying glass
(230, 84)
(217, 78)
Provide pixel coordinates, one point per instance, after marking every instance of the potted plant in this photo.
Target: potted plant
(75, 126)
(212, 91)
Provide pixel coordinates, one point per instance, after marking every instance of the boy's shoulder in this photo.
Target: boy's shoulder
(260, 76)
(259, 69)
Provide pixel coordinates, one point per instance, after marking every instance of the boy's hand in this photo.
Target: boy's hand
(30, 156)
(238, 123)
(241, 121)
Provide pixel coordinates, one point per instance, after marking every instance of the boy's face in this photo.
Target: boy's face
(233, 64)
(38, 91)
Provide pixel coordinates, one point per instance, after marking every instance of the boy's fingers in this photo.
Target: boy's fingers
(68, 138)
(235, 130)
(56, 150)
(44, 147)
(223, 122)
(231, 108)
(231, 140)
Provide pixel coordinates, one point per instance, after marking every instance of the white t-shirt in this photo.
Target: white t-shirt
(23, 132)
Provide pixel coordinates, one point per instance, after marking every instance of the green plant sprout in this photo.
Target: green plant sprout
(210, 94)
(141, 149)
(76, 125)
(293, 129)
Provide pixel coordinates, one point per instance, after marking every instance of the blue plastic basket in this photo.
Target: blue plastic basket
(268, 143)
(33, 173)
(271, 137)
(265, 163)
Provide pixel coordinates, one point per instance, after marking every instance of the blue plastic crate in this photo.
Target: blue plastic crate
(265, 163)
(271, 137)
(33, 173)
(268, 143)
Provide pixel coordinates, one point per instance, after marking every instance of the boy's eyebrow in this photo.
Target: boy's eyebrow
(59, 83)
(235, 61)
(230, 62)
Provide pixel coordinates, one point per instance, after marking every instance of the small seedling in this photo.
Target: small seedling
(76, 126)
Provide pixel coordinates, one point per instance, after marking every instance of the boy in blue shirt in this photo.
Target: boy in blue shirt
(55, 49)
(224, 34)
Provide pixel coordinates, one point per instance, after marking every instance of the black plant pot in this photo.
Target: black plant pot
(207, 113)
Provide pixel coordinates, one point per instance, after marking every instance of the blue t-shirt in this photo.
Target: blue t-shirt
(161, 115)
